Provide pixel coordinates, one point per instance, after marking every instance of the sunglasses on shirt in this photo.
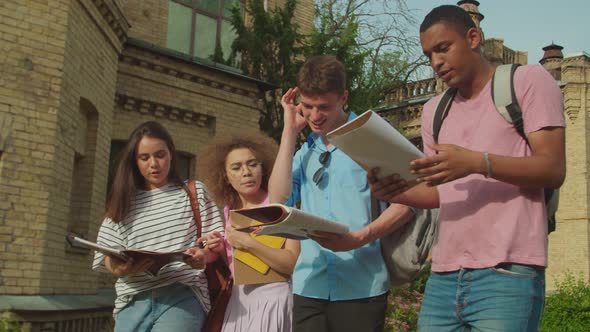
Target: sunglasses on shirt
(319, 174)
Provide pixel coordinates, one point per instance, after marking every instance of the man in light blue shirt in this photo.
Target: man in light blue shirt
(340, 282)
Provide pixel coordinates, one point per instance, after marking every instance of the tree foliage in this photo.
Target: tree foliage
(374, 41)
(568, 308)
(266, 48)
(372, 38)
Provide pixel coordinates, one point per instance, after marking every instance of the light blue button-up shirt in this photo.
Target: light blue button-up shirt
(343, 196)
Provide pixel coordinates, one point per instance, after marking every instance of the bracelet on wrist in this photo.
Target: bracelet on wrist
(488, 165)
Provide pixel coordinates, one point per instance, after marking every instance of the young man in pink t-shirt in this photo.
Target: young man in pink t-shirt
(489, 257)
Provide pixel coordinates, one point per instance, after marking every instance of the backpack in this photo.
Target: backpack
(406, 251)
(507, 105)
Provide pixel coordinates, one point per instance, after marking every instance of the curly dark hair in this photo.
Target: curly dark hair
(211, 163)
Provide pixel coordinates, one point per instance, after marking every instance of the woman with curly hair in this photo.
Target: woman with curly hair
(236, 171)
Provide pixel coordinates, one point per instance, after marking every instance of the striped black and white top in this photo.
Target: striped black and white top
(160, 220)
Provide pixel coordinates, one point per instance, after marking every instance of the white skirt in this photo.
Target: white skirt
(262, 307)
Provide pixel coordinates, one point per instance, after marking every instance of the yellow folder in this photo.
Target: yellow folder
(249, 269)
(255, 262)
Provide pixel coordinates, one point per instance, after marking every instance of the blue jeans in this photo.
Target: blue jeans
(507, 298)
(170, 308)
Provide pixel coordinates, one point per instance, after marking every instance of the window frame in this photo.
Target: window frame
(219, 18)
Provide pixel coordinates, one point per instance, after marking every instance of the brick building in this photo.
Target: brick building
(76, 76)
(569, 245)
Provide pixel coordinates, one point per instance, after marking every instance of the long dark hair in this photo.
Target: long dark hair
(127, 177)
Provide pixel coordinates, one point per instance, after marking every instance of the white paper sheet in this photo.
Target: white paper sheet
(376, 143)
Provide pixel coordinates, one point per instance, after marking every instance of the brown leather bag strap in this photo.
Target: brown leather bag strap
(192, 195)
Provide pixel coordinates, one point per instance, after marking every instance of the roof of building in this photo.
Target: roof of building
(577, 54)
(262, 85)
(104, 298)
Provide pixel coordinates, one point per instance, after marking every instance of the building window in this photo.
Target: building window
(202, 28)
(83, 208)
(6, 121)
(183, 165)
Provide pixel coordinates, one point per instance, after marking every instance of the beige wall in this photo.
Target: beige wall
(194, 102)
(149, 20)
(34, 163)
(84, 117)
(304, 13)
(569, 245)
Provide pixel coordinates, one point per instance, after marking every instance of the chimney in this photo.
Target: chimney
(471, 6)
(552, 59)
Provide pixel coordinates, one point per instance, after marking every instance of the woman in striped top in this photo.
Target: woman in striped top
(149, 209)
(236, 169)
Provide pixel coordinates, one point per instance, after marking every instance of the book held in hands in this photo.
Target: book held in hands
(271, 225)
(285, 221)
(372, 142)
(159, 258)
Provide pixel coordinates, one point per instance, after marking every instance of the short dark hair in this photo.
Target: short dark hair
(321, 74)
(454, 16)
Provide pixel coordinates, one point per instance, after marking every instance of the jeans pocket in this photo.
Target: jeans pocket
(516, 270)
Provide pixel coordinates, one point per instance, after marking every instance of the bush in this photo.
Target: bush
(7, 324)
(404, 305)
(568, 309)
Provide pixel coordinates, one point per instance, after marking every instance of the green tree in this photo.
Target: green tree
(267, 48)
(374, 41)
(370, 37)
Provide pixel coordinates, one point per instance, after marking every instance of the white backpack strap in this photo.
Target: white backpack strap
(502, 90)
(504, 97)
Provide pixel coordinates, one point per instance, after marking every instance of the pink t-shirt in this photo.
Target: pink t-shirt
(484, 222)
(228, 248)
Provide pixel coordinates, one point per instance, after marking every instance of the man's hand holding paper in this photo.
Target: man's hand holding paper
(450, 163)
(394, 189)
(387, 188)
(338, 242)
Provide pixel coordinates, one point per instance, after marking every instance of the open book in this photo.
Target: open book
(372, 142)
(159, 258)
(281, 220)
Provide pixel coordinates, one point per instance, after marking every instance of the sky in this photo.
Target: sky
(528, 25)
